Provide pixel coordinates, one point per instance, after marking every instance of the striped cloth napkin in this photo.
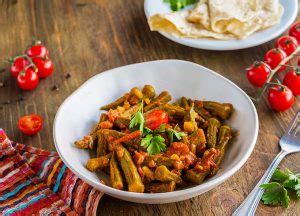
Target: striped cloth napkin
(36, 182)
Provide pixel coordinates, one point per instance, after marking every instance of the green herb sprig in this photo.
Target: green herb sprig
(179, 4)
(138, 119)
(277, 191)
(151, 140)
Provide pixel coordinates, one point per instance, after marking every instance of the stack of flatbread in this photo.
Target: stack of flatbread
(220, 19)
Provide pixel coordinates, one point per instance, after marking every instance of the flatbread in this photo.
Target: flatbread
(220, 19)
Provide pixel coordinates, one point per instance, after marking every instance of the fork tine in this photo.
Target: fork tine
(294, 126)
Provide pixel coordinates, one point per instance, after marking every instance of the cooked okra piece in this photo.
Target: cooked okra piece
(184, 103)
(102, 146)
(131, 174)
(162, 98)
(202, 112)
(113, 134)
(119, 102)
(212, 130)
(174, 110)
(195, 177)
(161, 187)
(135, 92)
(198, 139)
(164, 175)
(122, 122)
(148, 174)
(115, 173)
(148, 92)
(223, 138)
(98, 163)
(221, 110)
(87, 142)
(159, 160)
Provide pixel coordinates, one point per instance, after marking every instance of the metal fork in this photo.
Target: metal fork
(289, 143)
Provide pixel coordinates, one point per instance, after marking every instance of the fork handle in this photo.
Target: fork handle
(248, 207)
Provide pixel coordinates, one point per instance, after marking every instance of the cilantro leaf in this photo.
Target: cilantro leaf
(287, 178)
(297, 188)
(138, 119)
(154, 144)
(279, 176)
(146, 140)
(157, 145)
(173, 133)
(275, 194)
(179, 4)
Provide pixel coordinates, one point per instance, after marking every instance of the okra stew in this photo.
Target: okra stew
(147, 144)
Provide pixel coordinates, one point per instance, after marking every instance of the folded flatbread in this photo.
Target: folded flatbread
(220, 19)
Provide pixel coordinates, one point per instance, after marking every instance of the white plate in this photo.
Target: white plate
(152, 7)
(80, 111)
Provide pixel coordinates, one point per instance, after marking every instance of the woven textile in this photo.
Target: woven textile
(37, 182)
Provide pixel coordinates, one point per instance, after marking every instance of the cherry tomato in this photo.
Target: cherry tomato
(292, 81)
(37, 50)
(288, 44)
(44, 66)
(258, 73)
(280, 98)
(273, 58)
(18, 65)
(30, 124)
(155, 118)
(295, 31)
(28, 80)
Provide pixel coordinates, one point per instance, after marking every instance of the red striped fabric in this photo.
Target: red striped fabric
(37, 182)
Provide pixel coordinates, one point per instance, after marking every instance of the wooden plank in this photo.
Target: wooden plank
(86, 37)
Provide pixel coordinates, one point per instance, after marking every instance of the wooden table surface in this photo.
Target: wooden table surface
(90, 36)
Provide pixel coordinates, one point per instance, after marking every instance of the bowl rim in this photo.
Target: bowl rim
(208, 185)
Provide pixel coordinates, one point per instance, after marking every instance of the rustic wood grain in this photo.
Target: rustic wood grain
(86, 37)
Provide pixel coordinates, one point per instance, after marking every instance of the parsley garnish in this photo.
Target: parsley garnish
(151, 140)
(276, 192)
(154, 143)
(179, 4)
(174, 133)
(138, 119)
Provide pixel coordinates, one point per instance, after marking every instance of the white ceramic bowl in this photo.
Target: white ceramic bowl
(80, 111)
(152, 7)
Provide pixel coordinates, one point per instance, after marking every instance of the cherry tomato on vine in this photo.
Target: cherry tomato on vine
(44, 66)
(28, 80)
(18, 65)
(258, 73)
(287, 43)
(292, 81)
(280, 98)
(37, 50)
(273, 58)
(30, 124)
(156, 118)
(295, 31)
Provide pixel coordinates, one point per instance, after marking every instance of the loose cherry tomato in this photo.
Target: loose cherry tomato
(292, 81)
(258, 73)
(44, 66)
(273, 58)
(280, 98)
(18, 65)
(28, 79)
(30, 124)
(295, 31)
(155, 118)
(37, 50)
(288, 44)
